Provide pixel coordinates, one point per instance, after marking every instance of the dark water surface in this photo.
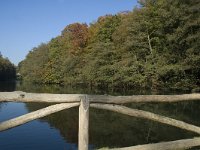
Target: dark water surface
(107, 129)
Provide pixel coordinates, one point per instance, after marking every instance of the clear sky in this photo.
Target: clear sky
(25, 24)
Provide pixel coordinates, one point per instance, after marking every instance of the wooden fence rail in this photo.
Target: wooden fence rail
(19, 96)
(66, 101)
(35, 115)
(172, 145)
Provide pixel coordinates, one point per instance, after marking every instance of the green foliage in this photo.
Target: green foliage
(154, 46)
(33, 67)
(7, 69)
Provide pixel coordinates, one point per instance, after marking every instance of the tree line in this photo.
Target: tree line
(7, 69)
(154, 46)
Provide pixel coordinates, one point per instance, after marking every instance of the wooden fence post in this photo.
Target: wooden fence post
(83, 138)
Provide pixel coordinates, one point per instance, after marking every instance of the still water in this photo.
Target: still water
(107, 129)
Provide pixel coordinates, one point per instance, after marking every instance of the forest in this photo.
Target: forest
(154, 46)
(7, 69)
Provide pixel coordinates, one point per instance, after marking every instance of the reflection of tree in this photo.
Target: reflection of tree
(118, 130)
(38, 88)
(108, 129)
(66, 121)
(79, 89)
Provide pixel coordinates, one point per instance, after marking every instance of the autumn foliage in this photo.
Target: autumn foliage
(154, 46)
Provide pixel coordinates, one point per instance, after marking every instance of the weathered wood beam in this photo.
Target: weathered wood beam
(35, 115)
(83, 134)
(171, 145)
(63, 98)
(19, 96)
(142, 98)
(148, 115)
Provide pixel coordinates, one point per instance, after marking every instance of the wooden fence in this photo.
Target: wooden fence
(112, 103)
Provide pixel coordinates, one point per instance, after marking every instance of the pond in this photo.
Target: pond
(107, 129)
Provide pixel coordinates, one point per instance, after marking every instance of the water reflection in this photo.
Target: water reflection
(108, 129)
(79, 89)
(34, 135)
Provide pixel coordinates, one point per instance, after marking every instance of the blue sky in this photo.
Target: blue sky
(25, 24)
